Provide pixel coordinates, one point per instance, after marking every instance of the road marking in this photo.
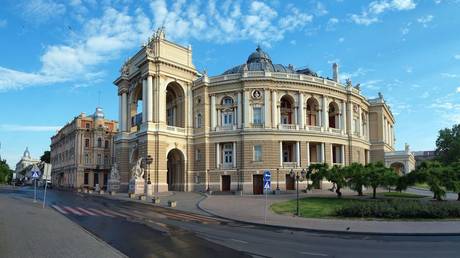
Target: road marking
(59, 209)
(115, 213)
(86, 211)
(313, 254)
(101, 212)
(239, 241)
(191, 217)
(73, 211)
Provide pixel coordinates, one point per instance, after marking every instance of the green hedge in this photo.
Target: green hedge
(395, 209)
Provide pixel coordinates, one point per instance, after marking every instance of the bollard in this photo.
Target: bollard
(172, 204)
(132, 196)
(156, 200)
(113, 192)
(142, 197)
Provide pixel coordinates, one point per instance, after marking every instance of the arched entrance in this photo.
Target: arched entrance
(175, 105)
(176, 171)
(398, 167)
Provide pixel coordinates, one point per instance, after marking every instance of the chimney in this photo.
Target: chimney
(335, 72)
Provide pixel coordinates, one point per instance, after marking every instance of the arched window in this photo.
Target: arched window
(228, 111)
(199, 120)
(334, 115)
(106, 144)
(99, 142)
(175, 105)
(312, 112)
(286, 110)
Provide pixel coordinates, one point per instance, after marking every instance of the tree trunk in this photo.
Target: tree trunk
(360, 192)
(338, 192)
(374, 192)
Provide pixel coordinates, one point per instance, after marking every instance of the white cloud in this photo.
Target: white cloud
(28, 128)
(457, 56)
(341, 39)
(372, 84)
(408, 69)
(40, 11)
(450, 75)
(425, 20)
(102, 40)
(458, 90)
(320, 9)
(332, 23)
(357, 73)
(3, 23)
(370, 14)
(228, 21)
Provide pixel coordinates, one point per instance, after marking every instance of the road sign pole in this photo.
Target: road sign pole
(265, 210)
(44, 195)
(35, 190)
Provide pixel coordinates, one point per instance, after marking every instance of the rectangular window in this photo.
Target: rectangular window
(198, 155)
(86, 143)
(99, 159)
(86, 179)
(106, 145)
(228, 157)
(257, 115)
(257, 152)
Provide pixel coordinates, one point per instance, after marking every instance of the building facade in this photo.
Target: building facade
(25, 162)
(222, 132)
(82, 151)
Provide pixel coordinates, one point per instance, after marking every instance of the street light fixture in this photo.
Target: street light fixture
(148, 161)
(298, 178)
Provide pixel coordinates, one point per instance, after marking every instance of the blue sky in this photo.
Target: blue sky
(58, 57)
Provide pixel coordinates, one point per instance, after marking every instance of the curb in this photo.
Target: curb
(324, 231)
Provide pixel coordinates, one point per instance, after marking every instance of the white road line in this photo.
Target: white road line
(239, 241)
(86, 211)
(101, 212)
(115, 213)
(59, 209)
(313, 254)
(73, 211)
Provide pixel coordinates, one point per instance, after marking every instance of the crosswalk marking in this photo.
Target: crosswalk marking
(86, 211)
(59, 209)
(73, 211)
(101, 212)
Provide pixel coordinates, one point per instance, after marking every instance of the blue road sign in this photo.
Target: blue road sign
(35, 172)
(267, 179)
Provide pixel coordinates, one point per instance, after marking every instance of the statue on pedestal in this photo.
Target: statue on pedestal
(137, 182)
(114, 180)
(137, 172)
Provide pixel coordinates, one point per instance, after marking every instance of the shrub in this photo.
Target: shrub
(399, 209)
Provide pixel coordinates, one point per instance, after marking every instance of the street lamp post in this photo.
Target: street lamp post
(148, 161)
(298, 178)
(277, 179)
(207, 175)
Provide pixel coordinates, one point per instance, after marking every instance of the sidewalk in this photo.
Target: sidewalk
(28, 230)
(251, 209)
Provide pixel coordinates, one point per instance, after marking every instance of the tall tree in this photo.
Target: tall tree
(357, 177)
(46, 157)
(5, 172)
(448, 144)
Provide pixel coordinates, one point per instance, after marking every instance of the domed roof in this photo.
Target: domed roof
(259, 60)
(259, 56)
(26, 153)
(99, 113)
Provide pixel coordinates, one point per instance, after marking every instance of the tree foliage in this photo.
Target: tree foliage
(5, 172)
(46, 157)
(448, 145)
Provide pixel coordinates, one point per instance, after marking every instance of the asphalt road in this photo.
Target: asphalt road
(140, 230)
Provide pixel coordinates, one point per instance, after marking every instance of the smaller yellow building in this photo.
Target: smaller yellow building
(82, 151)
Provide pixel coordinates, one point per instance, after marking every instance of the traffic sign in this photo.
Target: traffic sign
(35, 172)
(267, 179)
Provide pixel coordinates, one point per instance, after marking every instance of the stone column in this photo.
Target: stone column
(124, 111)
(219, 118)
(344, 117)
(323, 155)
(217, 155)
(332, 155)
(148, 101)
(350, 117)
(360, 119)
(120, 112)
(240, 110)
(274, 110)
(281, 153)
(325, 113)
(190, 106)
(308, 153)
(246, 109)
(213, 112)
(234, 154)
(297, 153)
(161, 104)
(301, 111)
(342, 153)
(266, 108)
(144, 100)
(295, 115)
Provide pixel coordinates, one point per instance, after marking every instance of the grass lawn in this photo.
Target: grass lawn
(312, 207)
(422, 186)
(400, 195)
